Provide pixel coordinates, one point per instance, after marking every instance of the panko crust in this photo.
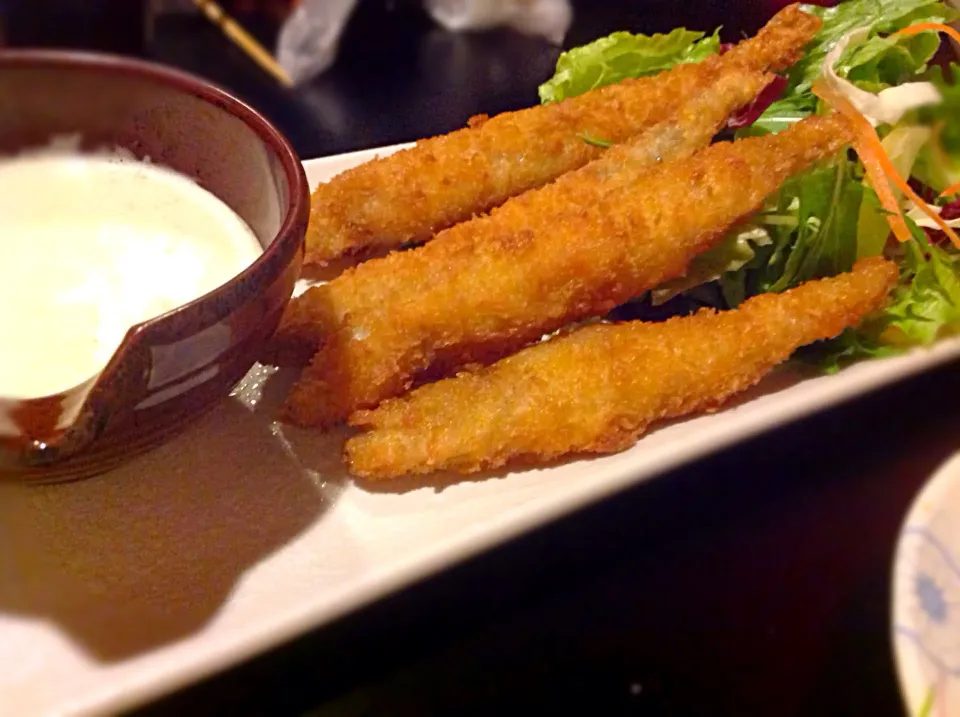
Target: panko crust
(598, 388)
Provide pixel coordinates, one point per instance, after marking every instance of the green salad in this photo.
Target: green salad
(822, 221)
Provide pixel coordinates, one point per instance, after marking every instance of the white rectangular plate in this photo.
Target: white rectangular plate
(241, 534)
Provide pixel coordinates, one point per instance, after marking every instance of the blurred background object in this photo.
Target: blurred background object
(115, 25)
(247, 43)
(548, 18)
(397, 74)
(123, 26)
(310, 37)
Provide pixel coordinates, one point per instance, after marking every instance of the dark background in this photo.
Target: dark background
(397, 77)
(752, 583)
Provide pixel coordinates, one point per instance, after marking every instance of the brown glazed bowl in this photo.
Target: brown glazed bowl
(170, 370)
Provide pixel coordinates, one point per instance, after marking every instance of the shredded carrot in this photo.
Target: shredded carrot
(870, 150)
(951, 190)
(879, 168)
(919, 27)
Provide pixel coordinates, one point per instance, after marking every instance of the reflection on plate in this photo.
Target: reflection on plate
(242, 534)
(926, 598)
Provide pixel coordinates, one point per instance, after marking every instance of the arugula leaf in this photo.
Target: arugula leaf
(822, 239)
(621, 55)
(812, 226)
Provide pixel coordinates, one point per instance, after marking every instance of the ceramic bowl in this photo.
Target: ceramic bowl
(170, 370)
(926, 598)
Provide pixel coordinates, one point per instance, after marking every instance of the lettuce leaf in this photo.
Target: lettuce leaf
(730, 255)
(621, 55)
(821, 221)
(878, 63)
(883, 62)
(938, 165)
(828, 207)
(781, 114)
(874, 65)
(849, 347)
(924, 307)
(927, 306)
(903, 145)
(878, 56)
(948, 110)
(812, 224)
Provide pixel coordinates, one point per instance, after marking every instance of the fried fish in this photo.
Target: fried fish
(487, 287)
(411, 195)
(598, 388)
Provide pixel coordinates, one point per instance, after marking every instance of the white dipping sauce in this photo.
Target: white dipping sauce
(90, 246)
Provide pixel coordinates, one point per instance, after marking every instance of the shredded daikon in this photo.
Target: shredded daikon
(885, 107)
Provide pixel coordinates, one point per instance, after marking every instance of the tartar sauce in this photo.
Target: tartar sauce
(90, 246)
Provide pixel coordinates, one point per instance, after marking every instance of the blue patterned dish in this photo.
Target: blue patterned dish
(926, 598)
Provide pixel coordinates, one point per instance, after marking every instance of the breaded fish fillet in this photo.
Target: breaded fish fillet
(443, 180)
(542, 261)
(598, 388)
(691, 129)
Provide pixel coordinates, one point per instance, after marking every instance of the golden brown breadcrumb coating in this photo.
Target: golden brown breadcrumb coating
(598, 388)
(487, 287)
(412, 194)
(691, 129)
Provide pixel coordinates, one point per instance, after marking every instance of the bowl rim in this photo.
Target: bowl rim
(298, 204)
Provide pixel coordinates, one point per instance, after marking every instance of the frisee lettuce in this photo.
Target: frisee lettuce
(924, 307)
(622, 55)
(926, 303)
(821, 221)
(877, 57)
(881, 61)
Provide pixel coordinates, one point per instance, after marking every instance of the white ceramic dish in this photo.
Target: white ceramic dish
(926, 598)
(240, 535)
